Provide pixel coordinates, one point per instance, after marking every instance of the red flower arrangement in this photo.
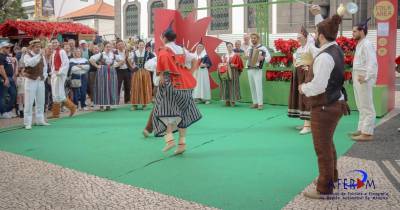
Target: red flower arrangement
(397, 60)
(347, 75)
(279, 75)
(287, 48)
(41, 28)
(348, 46)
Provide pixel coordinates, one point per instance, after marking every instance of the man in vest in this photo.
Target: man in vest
(35, 74)
(59, 70)
(326, 95)
(365, 69)
(255, 72)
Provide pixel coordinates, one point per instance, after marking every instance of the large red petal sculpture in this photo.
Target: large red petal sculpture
(189, 33)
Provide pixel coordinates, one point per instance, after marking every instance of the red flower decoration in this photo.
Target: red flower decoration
(42, 28)
(189, 32)
(278, 75)
(397, 60)
(347, 75)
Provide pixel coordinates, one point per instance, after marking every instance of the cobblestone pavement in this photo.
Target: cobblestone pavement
(31, 184)
(383, 197)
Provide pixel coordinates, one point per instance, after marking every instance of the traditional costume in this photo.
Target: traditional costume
(255, 73)
(105, 87)
(142, 91)
(230, 85)
(365, 65)
(174, 107)
(35, 74)
(59, 73)
(202, 91)
(327, 96)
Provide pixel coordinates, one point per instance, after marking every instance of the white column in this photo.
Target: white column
(237, 18)
(274, 17)
(144, 19)
(171, 4)
(202, 13)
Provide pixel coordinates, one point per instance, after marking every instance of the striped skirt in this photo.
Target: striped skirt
(230, 89)
(141, 91)
(298, 106)
(106, 87)
(175, 107)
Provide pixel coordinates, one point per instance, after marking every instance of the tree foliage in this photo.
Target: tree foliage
(11, 9)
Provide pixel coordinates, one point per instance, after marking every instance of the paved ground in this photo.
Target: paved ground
(31, 184)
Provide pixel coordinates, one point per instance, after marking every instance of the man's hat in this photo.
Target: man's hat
(35, 41)
(364, 24)
(330, 27)
(5, 43)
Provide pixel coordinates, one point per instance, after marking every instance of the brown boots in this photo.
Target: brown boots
(55, 110)
(71, 106)
(57, 107)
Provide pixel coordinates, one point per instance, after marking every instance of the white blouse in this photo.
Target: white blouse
(107, 57)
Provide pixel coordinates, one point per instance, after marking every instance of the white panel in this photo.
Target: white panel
(237, 18)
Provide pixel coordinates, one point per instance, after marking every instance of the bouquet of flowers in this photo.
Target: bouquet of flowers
(287, 48)
(279, 75)
(348, 46)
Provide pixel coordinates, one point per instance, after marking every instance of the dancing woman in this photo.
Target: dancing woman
(175, 109)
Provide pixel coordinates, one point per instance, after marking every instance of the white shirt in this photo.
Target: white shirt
(64, 63)
(107, 57)
(34, 60)
(151, 65)
(178, 50)
(322, 69)
(365, 60)
(120, 56)
(83, 63)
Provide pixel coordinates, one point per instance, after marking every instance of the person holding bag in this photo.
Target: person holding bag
(79, 68)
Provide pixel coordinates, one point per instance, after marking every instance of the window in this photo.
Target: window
(221, 17)
(362, 13)
(132, 25)
(154, 4)
(251, 14)
(185, 6)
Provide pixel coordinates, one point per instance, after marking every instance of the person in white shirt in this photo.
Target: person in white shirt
(59, 72)
(255, 71)
(326, 96)
(202, 92)
(106, 82)
(35, 74)
(302, 59)
(79, 78)
(365, 68)
(123, 71)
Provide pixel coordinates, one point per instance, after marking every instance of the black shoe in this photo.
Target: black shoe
(21, 114)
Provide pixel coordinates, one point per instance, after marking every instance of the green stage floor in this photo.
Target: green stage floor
(237, 158)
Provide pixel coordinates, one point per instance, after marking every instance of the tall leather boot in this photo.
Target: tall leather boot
(71, 106)
(55, 109)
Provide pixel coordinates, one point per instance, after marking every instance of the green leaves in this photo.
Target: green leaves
(11, 9)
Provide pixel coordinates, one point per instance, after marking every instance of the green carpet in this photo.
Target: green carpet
(237, 158)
